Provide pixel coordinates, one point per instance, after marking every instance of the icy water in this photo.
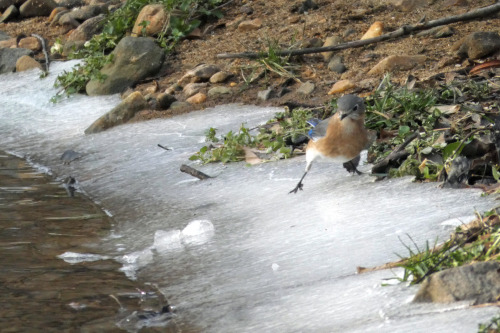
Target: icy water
(237, 253)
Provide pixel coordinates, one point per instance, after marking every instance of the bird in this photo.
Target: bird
(339, 138)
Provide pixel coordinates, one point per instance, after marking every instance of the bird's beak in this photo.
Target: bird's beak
(343, 115)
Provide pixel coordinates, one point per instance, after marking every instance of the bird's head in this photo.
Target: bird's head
(350, 106)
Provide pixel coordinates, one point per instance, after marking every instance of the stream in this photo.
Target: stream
(237, 253)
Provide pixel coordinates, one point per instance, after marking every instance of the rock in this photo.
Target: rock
(8, 43)
(336, 64)
(458, 172)
(306, 88)
(193, 88)
(478, 282)
(30, 43)
(66, 19)
(341, 86)
(197, 98)
(265, 94)
(86, 12)
(172, 89)
(219, 77)
(165, 100)
(56, 11)
(311, 42)
(72, 46)
(9, 14)
(155, 15)
(179, 105)
(8, 58)
(4, 36)
(135, 58)
(26, 63)
(33, 8)
(87, 29)
(219, 90)
(70, 3)
(201, 72)
(4, 4)
(375, 30)
(306, 6)
(397, 63)
(330, 41)
(250, 25)
(479, 44)
(120, 114)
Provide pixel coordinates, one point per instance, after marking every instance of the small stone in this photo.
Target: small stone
(265, 95)
(197, 99)
(26, 63)
(219, 77)
(201, 72)
(250, 25)
(165, 100)
(331, 41)
(306, 88)
(172, 89)
(179, 105)
(154, 14)
(341, 86)
(375, 30)
(246, 10)
(337, 67)
(219, 90)
(479, 44)
(193, 88)
(233, 84)
(30, 43)
(9, 14)
(397, 63)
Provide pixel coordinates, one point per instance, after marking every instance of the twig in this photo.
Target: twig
(44, 48)
(159, 145)
(404, 30)
(193, 172)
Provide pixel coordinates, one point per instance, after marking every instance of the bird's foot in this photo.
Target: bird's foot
(298, 187)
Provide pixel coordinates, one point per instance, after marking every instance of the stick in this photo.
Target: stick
(193, 172)
(159, 145)
(404, 30)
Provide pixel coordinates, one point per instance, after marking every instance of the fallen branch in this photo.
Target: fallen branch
(404, 30)
(193, 172)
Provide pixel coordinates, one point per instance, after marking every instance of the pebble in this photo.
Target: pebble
(219, 90)
(341, 86)
(250, 25)
(397, 63)
(197, 98)
(330, 41)
(375, 30)
(306, 88)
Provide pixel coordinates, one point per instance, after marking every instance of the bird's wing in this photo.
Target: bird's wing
(319, 130)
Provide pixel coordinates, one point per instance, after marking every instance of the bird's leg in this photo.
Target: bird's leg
(299, 185)
(352, 165)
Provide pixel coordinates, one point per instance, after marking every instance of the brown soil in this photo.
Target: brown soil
(285, 26)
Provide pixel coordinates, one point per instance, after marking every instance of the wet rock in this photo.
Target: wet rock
(165, 100)
(120, 114)
(306, 88)
(250, 25)
(155, 15)
(265, 95)
(341, 86)
(87, 29)
(479, 44)
(478, 282)
(26, 63)
(33, 8)
(202, 72)
(458, 173)
(135, 58)
(375, 30)
(4, 4)
(9, 57)
(69, 156)
(331, 41)
(9, 14)
(219, 90)
(30, 43)
(197, 98)
(336, 65)
(397, 63)
(219, 77)
(193, 88)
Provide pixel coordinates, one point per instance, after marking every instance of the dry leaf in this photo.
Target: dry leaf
(448, 109)
(250, 156)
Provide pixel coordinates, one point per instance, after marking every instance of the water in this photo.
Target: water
(237, 253)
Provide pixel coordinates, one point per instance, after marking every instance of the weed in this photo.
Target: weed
(492, 327)
(274, 63)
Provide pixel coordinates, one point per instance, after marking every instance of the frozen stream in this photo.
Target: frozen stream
(237, 253)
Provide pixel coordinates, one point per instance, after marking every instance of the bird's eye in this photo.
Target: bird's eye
(355, 108)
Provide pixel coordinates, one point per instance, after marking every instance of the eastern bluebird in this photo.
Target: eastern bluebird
(339, 138)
